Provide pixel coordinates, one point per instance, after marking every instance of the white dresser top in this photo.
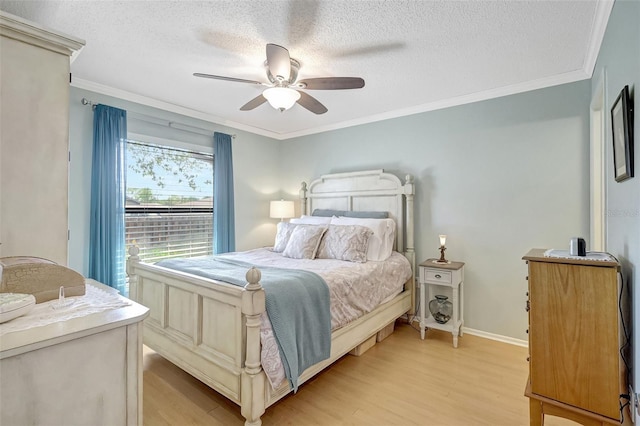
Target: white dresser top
(18, 342)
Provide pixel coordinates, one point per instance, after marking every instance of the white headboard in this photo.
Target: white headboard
(371, 190)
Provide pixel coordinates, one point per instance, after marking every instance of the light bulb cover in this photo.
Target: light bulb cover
(443, 239)
(281, 98)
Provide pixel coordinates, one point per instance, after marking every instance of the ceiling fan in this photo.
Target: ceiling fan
(284, 91)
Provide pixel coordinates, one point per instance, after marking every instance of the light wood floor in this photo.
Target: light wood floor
(400, 381)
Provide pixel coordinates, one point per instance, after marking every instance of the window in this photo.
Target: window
(169, 204)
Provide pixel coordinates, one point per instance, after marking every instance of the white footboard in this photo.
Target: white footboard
(210, 329)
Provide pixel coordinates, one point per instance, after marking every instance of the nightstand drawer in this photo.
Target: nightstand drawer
(437, 275)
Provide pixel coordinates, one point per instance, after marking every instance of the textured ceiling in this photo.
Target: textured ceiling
(413, 55)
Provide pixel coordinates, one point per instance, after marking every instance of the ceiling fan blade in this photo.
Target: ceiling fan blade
(219, 77)
(279, 61)
(331, 83)
(311, 103)
(253, 103)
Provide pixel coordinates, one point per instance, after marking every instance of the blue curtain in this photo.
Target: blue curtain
(108, 172)
(224, 228)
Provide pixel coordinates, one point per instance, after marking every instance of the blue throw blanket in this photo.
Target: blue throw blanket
(297, 303)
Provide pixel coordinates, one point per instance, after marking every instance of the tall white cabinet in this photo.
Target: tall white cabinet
(34, 139)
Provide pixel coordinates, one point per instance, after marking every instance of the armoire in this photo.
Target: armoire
(34, 138)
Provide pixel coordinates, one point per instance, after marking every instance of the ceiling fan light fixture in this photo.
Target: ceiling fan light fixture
(281, 98)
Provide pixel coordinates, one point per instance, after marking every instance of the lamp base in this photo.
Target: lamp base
(441, 261)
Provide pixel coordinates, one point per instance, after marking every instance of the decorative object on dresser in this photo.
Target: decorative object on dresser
(40, 277)
(622, 128)
(577, 247)
(578, 338)
(13, 305)
(436, 276)
(281, 210)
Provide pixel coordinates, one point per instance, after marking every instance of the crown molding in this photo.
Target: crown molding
(20, 29)
(167, 106)
(600, 20)
(513, 89)
(451, 102)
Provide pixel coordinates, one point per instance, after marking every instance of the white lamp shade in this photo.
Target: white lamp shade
(443, 240)
(281, 209)
(281, 98)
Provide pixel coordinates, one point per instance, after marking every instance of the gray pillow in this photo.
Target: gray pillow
(368, 215)
(328, 212)
(346, 213)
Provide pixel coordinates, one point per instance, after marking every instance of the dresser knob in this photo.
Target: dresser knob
(527, 331)
(527, 278)
(527, 306)
(438, 276)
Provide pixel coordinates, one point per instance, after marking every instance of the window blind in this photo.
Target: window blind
(169, 205)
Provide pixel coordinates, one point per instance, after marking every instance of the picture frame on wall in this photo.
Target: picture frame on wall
(622, 127)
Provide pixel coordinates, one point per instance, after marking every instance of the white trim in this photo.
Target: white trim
(497, 337)
(29, 32)
(527, 86)
(450, 102)
(165, 106)
(600, 20)
(597, 169)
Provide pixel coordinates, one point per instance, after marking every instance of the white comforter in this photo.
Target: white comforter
(355, 289)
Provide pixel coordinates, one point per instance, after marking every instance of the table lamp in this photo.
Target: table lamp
(281, 209)
(443, 240)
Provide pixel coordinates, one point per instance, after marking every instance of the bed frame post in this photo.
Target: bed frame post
(133, 260)
(303, 198)
(253, 400)
(409, 252)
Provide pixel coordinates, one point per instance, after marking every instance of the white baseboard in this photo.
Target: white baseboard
(485, 334)
(498, 337)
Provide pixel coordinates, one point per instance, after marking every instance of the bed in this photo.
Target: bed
(211, 329)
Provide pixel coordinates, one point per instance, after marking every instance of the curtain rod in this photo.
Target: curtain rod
(155, 120)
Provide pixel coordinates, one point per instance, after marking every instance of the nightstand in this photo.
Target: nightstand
(436, 276)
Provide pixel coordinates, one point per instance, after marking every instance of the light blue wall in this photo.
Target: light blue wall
(255, 162)
(499, 177)
(619, 61)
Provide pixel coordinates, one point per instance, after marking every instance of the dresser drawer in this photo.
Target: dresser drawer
(437, 276)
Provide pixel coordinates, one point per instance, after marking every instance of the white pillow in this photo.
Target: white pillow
(311, 220)
(304, 242)
(345, 242)
(381, 242)
(282, 236)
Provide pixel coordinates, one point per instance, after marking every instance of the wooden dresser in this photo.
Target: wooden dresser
(575, 338)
